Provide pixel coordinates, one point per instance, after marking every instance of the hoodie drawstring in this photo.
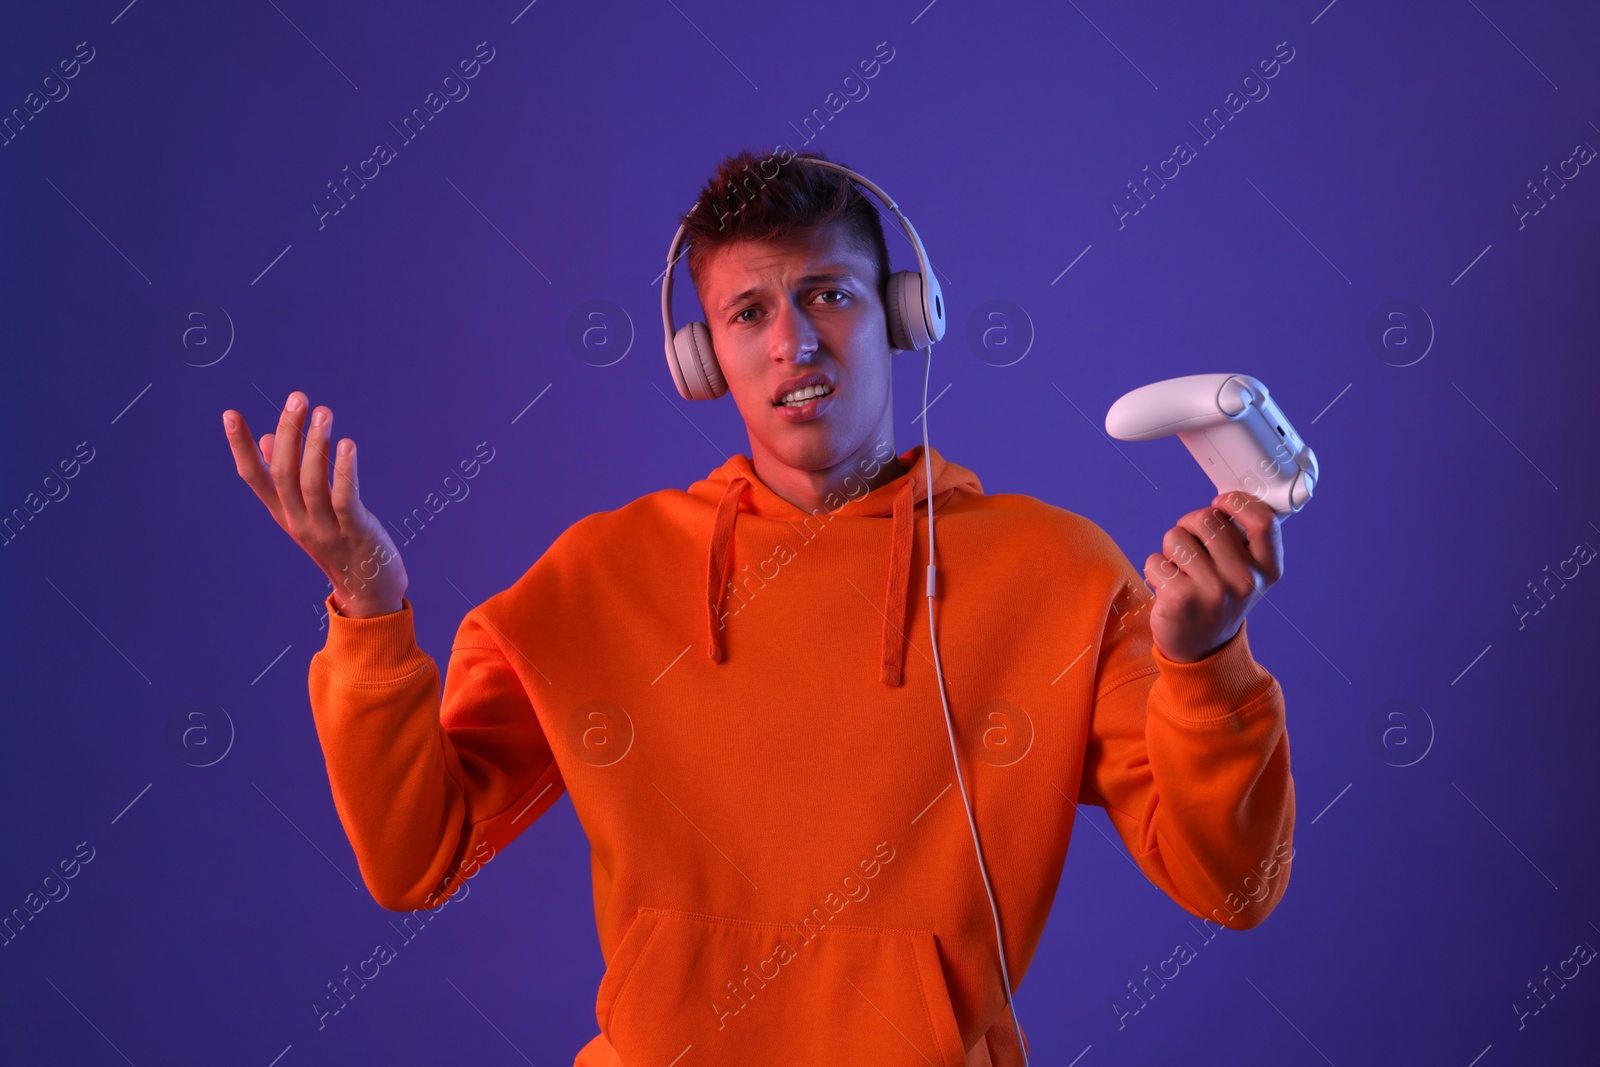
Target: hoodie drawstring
(896, 607)
(719, 562)
(896, 602)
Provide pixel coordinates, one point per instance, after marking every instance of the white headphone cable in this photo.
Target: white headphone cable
(949, 722)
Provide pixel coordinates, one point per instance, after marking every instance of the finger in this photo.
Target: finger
(1163, 570)
(1253, 514)
(1262, 530)
(314, 468)
(248, 461)
(346, 486)
(285, 462)
(1185, 550)
(1224, 543)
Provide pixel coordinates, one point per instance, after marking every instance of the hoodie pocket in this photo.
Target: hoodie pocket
(730, 991)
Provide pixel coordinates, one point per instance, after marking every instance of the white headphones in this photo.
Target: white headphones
(915, 309)
(915, 314)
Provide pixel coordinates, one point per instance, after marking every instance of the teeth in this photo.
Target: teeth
(800, 396)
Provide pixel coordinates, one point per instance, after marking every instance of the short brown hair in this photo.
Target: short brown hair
(756, 198)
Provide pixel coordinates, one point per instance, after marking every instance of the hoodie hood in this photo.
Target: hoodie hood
(734, 488)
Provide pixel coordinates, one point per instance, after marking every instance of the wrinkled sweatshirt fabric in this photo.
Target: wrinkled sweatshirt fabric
(739, 698)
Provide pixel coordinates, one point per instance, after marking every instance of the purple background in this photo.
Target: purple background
(181, 169)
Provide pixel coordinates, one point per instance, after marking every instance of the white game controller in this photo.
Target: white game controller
(1231, 426)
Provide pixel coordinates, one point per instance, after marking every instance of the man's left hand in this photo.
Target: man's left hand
(1214, 565)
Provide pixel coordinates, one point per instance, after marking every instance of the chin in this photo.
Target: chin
(808, 448)
(810, 455)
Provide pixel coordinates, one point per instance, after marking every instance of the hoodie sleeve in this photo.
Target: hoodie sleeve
(1191, 763)
(420, 782)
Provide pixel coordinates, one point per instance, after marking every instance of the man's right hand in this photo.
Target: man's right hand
(336, 530)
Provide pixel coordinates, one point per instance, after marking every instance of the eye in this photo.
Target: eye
(839, 292)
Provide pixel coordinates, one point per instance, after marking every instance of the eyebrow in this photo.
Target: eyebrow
(809, 279)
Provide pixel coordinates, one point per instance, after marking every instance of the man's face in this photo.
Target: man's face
(806, 309)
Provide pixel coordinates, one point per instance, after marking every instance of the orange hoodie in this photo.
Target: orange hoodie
(740, 699)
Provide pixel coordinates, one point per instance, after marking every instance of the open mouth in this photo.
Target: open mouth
(797, 398)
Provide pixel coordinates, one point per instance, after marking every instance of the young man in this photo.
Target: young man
(734, 685)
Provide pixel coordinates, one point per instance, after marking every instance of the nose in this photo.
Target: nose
(792, 336)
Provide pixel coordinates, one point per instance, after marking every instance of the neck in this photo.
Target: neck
(823, 490)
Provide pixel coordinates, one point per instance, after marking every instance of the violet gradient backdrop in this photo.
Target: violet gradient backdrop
(435, 307)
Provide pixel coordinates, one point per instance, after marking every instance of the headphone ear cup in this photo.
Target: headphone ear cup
(696, 371)
(908, 328)
(895, 311)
